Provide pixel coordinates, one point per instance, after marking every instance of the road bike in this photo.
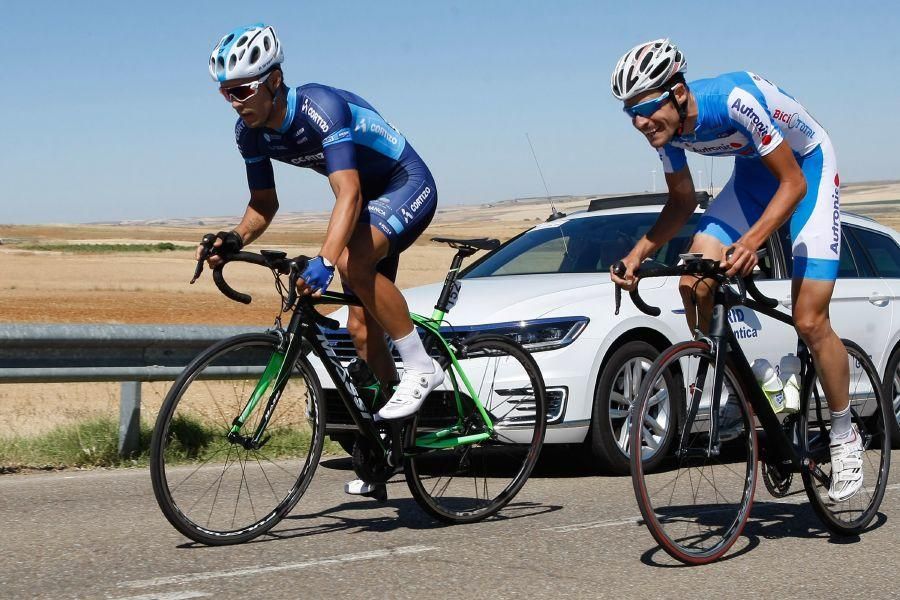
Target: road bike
(701, 406)
(240, 434)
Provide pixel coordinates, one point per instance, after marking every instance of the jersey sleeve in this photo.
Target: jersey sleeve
(330, 116)
(260, 175)
(673, 159)
(749, 115)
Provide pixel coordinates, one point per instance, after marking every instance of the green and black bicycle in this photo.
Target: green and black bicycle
(239, 436)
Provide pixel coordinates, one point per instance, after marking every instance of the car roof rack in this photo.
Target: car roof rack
(703, 199)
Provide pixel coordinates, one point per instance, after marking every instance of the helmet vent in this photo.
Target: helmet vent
(232, 60)
(220, 63)
(241, 55)
(266, 43)
(227, 39)
(254, 55)
(660, 69)
(241, 41)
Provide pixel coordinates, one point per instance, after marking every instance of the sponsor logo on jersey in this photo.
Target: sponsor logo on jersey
(758, 126)
(271, 136)
(299, 132)
(314, 116)
(308, 158)
(337, 136)
(378, 129)
(420, 200)
(794, 121)
(713, 148)
(385, 229)
(377, 209)
(836, 216)
(407, 216)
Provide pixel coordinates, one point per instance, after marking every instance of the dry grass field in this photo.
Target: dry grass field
(126, 287)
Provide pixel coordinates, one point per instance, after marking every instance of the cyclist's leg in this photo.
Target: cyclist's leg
(395, 220)
(816, 242)
(371, 346)
(729, 216)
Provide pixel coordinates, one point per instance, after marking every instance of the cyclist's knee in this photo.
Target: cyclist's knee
(812, 326)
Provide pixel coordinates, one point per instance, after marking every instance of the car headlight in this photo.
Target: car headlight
(539, 335)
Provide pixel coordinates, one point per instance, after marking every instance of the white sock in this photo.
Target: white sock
(840, 424)
(413, 354)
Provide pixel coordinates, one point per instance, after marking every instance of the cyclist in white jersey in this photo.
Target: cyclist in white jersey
(785, 168)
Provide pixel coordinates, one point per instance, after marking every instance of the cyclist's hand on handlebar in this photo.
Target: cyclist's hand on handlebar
(739, 258)
(316, 278)
(628, 281)
(225, 244)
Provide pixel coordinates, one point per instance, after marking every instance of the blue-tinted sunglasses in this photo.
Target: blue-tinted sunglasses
(647, 107)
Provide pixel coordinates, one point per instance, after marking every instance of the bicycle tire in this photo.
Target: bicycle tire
(871, 409)
(193, 463)
(695, 505)
(440, 480)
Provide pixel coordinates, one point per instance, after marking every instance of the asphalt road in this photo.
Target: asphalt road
(569, 533)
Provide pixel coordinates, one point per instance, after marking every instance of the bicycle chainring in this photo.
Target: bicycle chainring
(370, 464)
(777, 482)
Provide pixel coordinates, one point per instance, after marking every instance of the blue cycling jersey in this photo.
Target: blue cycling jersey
(327, 129)
(744, 115)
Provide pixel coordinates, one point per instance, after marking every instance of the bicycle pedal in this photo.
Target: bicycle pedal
(358, 487)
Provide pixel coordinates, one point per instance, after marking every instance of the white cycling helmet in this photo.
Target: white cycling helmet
(647, 66)
(245, 52)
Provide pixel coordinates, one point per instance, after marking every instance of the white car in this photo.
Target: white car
(550, 289)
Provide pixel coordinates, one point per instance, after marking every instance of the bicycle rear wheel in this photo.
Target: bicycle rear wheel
(696, 503)
(871, 409)
(458, 470)
(216, 491)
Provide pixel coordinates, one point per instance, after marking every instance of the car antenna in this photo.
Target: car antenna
(554, 214)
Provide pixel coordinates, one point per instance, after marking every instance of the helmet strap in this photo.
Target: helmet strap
(681, 108)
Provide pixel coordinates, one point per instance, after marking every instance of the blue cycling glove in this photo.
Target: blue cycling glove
(318, 274)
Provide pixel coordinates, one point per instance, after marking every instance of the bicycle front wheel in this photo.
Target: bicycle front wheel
(217, 490)
(871, 410)
(459, 469)
(697, 501)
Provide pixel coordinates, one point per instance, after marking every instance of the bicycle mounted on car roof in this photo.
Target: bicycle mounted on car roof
(713, 389)
(250, 412)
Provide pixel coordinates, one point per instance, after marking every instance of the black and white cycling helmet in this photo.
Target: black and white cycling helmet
(647, 66)
(245, 52)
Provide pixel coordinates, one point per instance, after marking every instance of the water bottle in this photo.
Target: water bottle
(770, 383)
(790, 377)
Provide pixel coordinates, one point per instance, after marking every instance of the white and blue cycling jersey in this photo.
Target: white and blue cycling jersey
(746, 116)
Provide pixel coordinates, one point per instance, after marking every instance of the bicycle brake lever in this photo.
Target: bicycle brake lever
(207, 243)
(619, 269)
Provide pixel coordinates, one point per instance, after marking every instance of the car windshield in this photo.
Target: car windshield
(584, 245)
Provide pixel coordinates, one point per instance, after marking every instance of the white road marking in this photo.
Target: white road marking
(169, 596)
(343, 558)
(797, 498)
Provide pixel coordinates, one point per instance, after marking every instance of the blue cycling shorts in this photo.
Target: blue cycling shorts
(815, 224)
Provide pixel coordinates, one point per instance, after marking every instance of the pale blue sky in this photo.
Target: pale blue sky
(110, 114)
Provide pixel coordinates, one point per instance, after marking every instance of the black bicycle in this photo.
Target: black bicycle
(240, 433)
(697, 501)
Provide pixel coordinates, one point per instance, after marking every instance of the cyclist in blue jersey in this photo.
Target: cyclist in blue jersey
(384, 193)
(784, 168)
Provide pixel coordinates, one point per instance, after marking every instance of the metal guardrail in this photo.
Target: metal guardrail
(129, 354)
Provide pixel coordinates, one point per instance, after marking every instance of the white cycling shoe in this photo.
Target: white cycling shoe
(846, 467)
(411, 392)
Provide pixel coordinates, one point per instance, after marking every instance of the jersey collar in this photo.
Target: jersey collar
(291, 109)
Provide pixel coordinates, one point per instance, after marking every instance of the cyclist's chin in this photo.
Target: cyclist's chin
(660, 137)
(251, 119)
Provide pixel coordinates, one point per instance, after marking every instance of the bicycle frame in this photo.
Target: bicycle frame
(780, 449)
(303, 327)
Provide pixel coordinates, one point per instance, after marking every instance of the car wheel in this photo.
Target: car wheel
(617, 388)
(892, 389)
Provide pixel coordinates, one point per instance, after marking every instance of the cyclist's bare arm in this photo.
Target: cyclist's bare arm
(741, 256)
(345, 214)
(678, 209)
